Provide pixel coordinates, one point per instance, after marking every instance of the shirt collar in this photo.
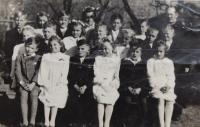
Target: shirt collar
(30, 55)
(134, 61)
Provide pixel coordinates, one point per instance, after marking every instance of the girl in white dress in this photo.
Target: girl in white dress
(106, 83)
(160, 70)
(76, 34)
(52, 78)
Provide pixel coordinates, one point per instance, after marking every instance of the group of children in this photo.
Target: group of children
(80, 65)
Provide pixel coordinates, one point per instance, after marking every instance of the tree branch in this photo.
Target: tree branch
(52, 7)
(131, 14)
(102, 10)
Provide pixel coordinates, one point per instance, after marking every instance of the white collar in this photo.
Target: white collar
(134, 62)
(30, 55)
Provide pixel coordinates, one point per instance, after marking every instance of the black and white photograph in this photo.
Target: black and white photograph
(99, 63)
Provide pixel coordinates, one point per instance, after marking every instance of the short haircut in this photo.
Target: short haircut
(20, 14)
(49, 24)
(56, 38)
(151, 29)
(102, 25)
(160, 43)
(82, 42)
(63, 13)
(136, 42)
(32, 40)
(116, 16)
(134, 47)
(86, 10)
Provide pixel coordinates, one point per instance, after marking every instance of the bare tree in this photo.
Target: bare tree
(104, 6)
(67, 6)
(131, 14)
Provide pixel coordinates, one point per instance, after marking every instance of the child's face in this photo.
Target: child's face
(83, 50)
(101, 32)
(127, 38)
(168, 35)
(27, 34)
(77, 30)
(144, 27)
(116, 24)
(42, 20)
(152, 35)
(31, 49)
(48, 32)
(63, 21)
(136, 53)
(20, 22)
(55, 46)
(89, 18)
(160, 52)
(107, 49)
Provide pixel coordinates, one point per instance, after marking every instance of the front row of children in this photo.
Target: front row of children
(59, 81)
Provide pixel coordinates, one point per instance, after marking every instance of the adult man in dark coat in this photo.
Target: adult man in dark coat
(14, 36)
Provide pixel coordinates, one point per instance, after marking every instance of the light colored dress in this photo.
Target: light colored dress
(106, 70)
(70, 45)
(52, 78)
(161, 74)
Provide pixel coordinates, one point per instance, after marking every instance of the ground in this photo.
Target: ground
(189, 118)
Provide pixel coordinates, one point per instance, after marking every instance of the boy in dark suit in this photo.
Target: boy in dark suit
(62, 29)
(115, 32)
(149, 43)
(133, 87)
(27, 66)
(80, 84)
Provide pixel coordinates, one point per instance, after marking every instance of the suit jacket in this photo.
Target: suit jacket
(12, 38)
(148, 51)
(132, 75)
(27, 68)
(81, 74)
(119, 38)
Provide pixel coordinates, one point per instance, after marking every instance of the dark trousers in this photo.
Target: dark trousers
(81, 109)
(129, 113)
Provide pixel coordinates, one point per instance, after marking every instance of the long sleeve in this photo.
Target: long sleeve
(18, 72)
(97, 73)
(35, 76)
(115, 82)
(65, 71)
(14, 57)
(170, 75)
(150, 73)
(43, 72)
